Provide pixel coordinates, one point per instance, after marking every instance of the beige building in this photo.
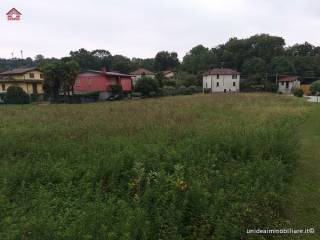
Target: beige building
(169, 74)
(221, 80)
(139, 73)
(29, 79)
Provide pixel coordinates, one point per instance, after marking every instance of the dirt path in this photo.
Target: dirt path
(304, 208)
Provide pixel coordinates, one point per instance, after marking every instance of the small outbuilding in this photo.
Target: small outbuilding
(286, 84)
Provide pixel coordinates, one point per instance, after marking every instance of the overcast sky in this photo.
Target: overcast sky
(141, 28)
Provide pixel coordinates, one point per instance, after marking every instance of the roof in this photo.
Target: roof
(18, 71)
(168, 72)
(114, 74)
(288, 79)
(13, 10)
(142, 71)
(222, 71)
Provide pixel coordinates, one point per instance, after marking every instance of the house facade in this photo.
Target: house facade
(101, 81)
(29, 79)
(141, 72)
(287, 84)
(221, 80)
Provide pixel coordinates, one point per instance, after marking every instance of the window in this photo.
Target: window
(282, 83)
(3, 87)
(78, 82)
(218, 84)
(31, 75)
(234, 84)
(89, 81)
(287, 85)
(218, 76)
(234, 76)
(41, 75)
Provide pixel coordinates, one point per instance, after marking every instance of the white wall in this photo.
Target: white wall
(288, 90)
(222, 84)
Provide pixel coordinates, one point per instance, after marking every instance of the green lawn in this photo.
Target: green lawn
(304, 210)
(188, 167)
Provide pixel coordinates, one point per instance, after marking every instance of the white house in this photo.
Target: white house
(221, 80)
(287, 84)
(139, 73)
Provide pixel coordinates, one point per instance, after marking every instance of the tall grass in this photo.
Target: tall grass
(192, 167)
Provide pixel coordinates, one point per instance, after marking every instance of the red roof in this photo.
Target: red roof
(288, 79)
(222, 71)
(111, 74)
(14, 11)
(142, 71)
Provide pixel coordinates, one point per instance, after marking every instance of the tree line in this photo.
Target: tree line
(258, 58)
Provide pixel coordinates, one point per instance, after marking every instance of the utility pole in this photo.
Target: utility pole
(12, 55)
(21, 54)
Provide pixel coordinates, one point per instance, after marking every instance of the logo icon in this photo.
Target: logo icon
(14, 15)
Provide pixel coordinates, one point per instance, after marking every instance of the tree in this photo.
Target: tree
(147, 63)
(59, 75)
(166, 61)
(283, 65)
(86, 59)
(121, 63)
(146, 86)
(103, 58)
(16, 95)
(198, 59)
(255, 68)
(315, 88)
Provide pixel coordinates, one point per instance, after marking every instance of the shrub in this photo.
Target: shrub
(116, 89)
(146, 85)
(315, 88)
(298, 92)
(168, 91)
(271, 87)
(16, 95)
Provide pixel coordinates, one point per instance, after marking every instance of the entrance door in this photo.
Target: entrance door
(34, 88)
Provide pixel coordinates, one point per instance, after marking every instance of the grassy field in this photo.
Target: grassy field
(191, 167)
(303, 209)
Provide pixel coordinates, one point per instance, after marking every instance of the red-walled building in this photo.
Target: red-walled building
(100, 81)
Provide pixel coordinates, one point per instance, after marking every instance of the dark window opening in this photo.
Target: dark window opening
(31, 75)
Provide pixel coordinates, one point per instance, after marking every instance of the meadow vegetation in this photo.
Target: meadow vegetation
(188, 167)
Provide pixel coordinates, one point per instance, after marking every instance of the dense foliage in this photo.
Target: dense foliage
(298, 92)
(315, 88)
(16, 95)
(146, 86)
(200, 167)
(59, 75)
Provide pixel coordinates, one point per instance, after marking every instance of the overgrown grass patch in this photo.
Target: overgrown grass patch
(191, 167)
